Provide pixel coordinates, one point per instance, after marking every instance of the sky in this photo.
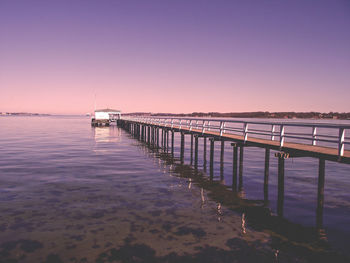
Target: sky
(60, 57)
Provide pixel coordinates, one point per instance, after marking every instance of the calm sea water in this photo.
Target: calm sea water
(73, 193)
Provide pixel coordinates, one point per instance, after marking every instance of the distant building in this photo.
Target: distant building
(105, 117)
(107, 114)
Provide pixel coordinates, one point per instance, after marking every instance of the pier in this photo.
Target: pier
(324, 141)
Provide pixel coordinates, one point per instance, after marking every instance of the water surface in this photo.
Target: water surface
(73, 193)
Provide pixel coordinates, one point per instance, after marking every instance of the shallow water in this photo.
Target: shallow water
(72, 193)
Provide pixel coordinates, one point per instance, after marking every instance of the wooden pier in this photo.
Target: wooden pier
(272, 136)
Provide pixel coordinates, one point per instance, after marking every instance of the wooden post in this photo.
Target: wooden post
(234, 167)
(222, 159)
(182, 151)
(152, 134)
(211, 158)
(196, 151)
(142, 132)
(148, 134)
(172, 142)
(191, 148)
(266, 175)
(157, 135)
(240, 171)
(205, 153)
(162, 137)
(167, 140)
(280, 197)
(320, 194)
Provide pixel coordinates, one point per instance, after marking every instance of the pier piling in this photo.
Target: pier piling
(211, 158)
(280, 196)
(222, 160)
(196, 151)
(191, 148)
(234, 166)
(172, 142)
(240, 170)
(320, 194)
(266, 175)
(182, 148)
(205, 153)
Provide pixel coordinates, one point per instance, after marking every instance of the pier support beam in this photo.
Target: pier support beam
(234, 167)
(205, 153)
(182, 148)
(211, 158)
(148, 135)
(196, 151)
(172, 142)
(191, 148)
(266, 175)
(280, 198)
(142, 133)
(240, 171)
(320, 194)
(162, 138)
(167, 140)
(222, 160)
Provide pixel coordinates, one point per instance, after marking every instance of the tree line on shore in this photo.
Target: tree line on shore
(256, 114)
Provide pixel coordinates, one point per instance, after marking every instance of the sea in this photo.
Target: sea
(70, 192)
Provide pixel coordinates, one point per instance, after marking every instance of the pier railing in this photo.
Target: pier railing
(330, 134)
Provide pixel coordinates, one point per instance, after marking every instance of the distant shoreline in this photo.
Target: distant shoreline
(257, 114)
(23, 114)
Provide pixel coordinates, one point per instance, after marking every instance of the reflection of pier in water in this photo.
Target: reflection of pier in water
(156, 135)
(253, 212)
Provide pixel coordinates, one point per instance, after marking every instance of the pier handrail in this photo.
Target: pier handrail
(220, 125)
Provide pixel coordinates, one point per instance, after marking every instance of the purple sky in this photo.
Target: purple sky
(174, 56)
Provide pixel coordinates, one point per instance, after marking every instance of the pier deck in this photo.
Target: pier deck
(295, 149)
(292, 148)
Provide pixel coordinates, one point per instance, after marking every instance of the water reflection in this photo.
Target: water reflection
(106, 134)
(253, 212)
(243, 224)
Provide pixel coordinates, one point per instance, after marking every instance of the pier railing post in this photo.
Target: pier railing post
(314, 137)
(245, 131)
(281, 136)
(273, 127)
(341, 142)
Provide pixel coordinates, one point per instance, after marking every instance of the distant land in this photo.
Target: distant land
(22, 114)
(255, 114)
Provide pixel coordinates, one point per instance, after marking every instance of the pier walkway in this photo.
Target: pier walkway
(324, 141)
(273, 135)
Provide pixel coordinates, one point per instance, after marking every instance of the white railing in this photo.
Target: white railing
(270, 130)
